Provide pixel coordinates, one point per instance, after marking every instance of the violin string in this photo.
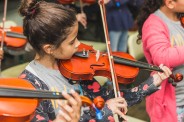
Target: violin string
(27, 93)
(16, 92)
(139, 64)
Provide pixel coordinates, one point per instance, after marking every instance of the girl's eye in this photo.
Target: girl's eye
(72, 42)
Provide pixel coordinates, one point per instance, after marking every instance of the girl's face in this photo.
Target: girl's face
(69, 46)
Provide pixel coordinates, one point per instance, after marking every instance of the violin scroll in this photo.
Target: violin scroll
(98, 102)
(173, 79)
(95, 106)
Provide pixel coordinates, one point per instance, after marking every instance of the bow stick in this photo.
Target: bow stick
(109, 52)
(3, 28)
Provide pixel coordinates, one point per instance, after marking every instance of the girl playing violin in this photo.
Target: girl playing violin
(52, 31)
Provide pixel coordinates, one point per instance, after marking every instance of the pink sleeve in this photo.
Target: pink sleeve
(156, 44)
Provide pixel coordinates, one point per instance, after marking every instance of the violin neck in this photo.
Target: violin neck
(28, 94)
(15, 35)
(138, 64)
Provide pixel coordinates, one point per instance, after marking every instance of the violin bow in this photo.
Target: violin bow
(3, 28)
(109, 52)
(81, 6)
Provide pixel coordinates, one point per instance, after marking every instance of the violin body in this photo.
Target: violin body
(13, 44)
(16, 109)
(78, 68)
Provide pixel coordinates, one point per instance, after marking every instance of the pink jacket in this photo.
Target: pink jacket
(161, 106)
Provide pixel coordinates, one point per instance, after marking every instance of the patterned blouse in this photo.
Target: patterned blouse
(45, 111)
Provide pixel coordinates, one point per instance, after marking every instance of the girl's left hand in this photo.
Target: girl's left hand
(69, 110)
(158, 77)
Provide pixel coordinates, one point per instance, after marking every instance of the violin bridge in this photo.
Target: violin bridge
(83, 52)
(97, 55)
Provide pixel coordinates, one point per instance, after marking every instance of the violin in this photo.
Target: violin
(14, 37)
(17, 94)
(93, 63)
(14, 46)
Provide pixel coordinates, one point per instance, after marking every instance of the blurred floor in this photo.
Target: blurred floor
(137, 111)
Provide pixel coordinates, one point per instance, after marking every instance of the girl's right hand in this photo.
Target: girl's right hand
(71, 109)
(118, 106)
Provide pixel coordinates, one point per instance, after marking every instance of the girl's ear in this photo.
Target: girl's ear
(48, 48)
(170, 3)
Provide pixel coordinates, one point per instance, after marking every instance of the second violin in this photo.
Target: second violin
(18, 94)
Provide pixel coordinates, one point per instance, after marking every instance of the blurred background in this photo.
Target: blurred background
(16, 56)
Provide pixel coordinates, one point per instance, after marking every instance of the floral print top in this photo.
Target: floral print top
(91, 89)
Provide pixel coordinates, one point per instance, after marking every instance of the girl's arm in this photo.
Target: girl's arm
(132, 96)
(135, 95)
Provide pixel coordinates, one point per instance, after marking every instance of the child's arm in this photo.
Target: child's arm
(132, 96)
(136, 94)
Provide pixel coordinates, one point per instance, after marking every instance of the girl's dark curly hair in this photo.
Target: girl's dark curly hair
(148, 7)
(46, 23)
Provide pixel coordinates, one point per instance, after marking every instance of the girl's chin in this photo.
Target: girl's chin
(69, 57)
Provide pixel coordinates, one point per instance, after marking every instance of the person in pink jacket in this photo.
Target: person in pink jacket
(162, 35)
